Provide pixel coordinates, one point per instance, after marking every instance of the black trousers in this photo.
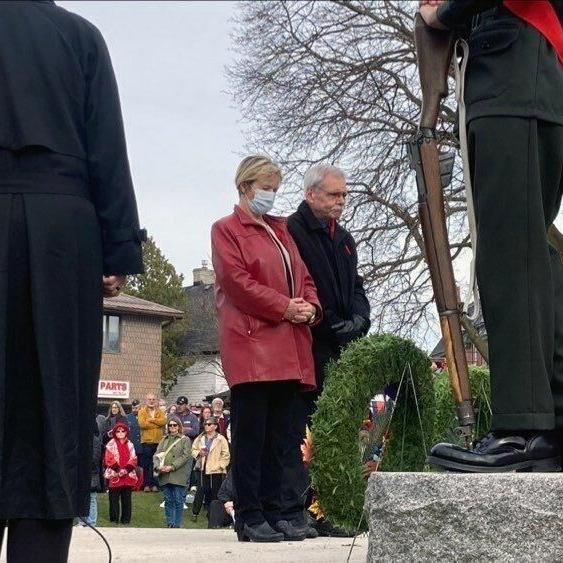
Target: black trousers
(147, 454)
(37, 540)
(296, 480)
(207, 490)
(199, 494)
(260, 416)
(517, 171)
(117, 496)
(218, 517)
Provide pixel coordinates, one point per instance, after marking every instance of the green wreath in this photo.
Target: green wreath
(364, 369)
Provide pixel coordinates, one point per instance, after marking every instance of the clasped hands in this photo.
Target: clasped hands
(299, 311)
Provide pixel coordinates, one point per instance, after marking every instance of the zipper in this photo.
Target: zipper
(250, 323)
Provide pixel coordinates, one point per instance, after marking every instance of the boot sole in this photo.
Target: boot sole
(549, 465)
(245, 538)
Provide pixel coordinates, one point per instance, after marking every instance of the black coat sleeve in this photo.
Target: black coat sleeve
(110, 177)
(360, 304)
(457, 13)
(226, 492)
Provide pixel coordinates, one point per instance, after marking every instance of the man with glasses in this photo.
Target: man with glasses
(329, 251)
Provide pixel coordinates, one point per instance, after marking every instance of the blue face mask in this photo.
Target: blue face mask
(263, 202)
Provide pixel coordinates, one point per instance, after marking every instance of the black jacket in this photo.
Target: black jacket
(512, 69)
(58, 91)
(339, 286)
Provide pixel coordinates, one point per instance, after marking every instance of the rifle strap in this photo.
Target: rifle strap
(472, 295)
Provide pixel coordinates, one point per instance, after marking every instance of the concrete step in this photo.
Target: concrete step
(465, 517)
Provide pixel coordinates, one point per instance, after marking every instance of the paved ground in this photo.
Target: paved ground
(160, 545)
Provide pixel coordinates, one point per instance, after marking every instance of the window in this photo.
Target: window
(112, 333)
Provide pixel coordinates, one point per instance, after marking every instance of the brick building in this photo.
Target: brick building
(132, 348)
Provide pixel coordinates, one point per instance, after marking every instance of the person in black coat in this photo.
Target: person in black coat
(514, 101)
(329, 252)
(69, 234)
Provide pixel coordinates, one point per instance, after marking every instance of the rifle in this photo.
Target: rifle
(434, 50)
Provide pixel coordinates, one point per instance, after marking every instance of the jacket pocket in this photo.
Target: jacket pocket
(492, 62)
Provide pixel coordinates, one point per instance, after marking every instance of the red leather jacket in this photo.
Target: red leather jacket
(251, 294)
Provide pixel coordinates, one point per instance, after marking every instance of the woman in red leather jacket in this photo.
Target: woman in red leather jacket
(266, 302)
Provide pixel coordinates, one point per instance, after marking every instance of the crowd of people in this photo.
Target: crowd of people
(175, 449)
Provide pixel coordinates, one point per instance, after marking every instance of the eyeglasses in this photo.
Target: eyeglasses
(120, 431)
(209, 424)
(172, 424)
(335, 195)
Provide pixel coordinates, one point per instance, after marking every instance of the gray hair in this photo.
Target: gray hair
(316, 174)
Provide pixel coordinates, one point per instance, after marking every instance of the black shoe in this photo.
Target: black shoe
(303, 526)
(496, 453)
(289, 532)
(327, 529)
(261, 533)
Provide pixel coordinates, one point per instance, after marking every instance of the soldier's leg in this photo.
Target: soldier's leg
(513, 178)
(553, 203)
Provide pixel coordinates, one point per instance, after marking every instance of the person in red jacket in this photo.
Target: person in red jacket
(266, 302)
(120, 461)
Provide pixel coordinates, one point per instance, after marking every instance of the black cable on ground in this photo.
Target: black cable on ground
(83, 520)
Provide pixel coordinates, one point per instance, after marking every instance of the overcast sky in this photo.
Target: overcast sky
(183, 133)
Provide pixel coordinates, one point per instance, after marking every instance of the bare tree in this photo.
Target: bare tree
(337, 81)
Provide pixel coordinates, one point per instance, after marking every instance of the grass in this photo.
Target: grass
(146, 512)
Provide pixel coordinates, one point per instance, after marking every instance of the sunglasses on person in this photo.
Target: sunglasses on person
(120, 431)
(210, 424)
(172, 424)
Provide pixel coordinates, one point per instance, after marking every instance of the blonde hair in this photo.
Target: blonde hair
(253, 167)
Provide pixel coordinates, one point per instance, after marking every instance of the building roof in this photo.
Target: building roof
(124, 303)
(201, 336)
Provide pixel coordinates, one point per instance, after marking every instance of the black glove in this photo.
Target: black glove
(346, 331)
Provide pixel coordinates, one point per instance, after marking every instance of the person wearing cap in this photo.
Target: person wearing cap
(190, 421)
(120, 461)
(133, 423)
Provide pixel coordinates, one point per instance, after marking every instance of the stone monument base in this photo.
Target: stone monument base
(465, 517)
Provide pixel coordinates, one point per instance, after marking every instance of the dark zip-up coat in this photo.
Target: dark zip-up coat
(339, 286)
